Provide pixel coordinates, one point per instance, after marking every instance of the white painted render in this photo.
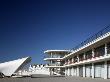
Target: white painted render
(47, 51)
(97, 59)
(46, 59)
(34, 70)
(90, 67)
(89, 44)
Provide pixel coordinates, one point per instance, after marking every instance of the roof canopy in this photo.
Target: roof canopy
(57, 51)
(9, 68)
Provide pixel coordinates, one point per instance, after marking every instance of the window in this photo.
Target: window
(75, 59)
(81, 57)
(66, 62)
(108, 48)
(88, 55)
(99, 51)
(70, 60)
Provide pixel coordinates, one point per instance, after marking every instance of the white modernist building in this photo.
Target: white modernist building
(56, 62)
(11, 67)
(38, 69)
(89, 59)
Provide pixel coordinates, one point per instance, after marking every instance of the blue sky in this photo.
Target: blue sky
(29, 27)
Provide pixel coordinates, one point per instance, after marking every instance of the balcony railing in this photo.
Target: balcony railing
(51, 57)
(55, 64)
(81, 59)
(95, 36)
(66, 63)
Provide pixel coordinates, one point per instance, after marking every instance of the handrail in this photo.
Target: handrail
(93, 37)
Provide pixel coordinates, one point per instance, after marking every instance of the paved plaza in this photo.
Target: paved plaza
(54, 79)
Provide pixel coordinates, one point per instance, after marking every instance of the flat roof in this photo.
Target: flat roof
(47, 51)
(57, 51)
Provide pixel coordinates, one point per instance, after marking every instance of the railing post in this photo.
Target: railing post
(72, 59)
(93, 54)
(68, 61)
(105, 49)
(84, 56)
(77, 58)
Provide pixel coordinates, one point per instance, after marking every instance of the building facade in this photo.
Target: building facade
(35, 69)
(55, 61)
(91, 58)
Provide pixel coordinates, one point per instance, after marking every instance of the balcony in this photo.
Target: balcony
(55, 65)
(88, 55)
(75, 59)
(53, 56)
(66, 62)
(100, 51)
(48, 57)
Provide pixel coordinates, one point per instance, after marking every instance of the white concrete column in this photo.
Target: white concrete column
(50, 62)
(93, 70)
(72, 71)
(105, 49)
(65, 62)
(105, 70)
(84, 71)
(84, 56)
(50, 71)
(51, 54)
(68, 71)
(93, 53)
(68, 61)
(78, 58)
(65, 71)
(72, 60)
(77, 70)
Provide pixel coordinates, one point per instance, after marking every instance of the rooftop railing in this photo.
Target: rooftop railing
(95, 36)
(53, 56)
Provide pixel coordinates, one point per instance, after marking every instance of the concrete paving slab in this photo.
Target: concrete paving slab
(54, 79)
